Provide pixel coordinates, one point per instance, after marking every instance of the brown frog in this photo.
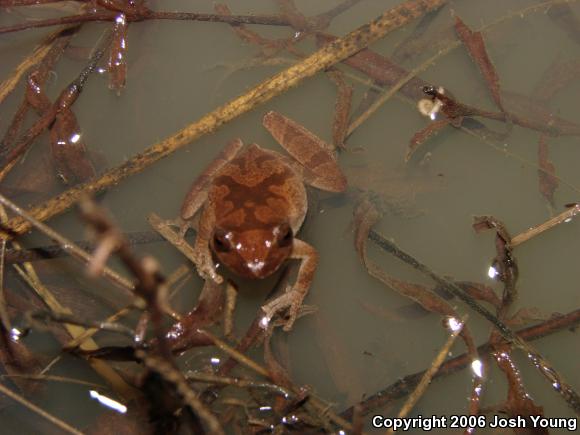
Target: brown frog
(253, 202)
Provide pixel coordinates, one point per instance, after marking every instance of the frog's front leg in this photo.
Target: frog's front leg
(202, 252)
(195, 199)
(293, 297)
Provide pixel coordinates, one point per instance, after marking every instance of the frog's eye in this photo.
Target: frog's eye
(221, 242)
(285, 236)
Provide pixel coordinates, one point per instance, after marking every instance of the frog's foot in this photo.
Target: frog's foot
(206, 267)
(291, 300)
(172, 229)
(171, 223)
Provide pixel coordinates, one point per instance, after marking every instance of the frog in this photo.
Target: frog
(249, 204)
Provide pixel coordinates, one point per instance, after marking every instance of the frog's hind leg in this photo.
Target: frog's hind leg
(202, 254)
(310, 178)
(293, 297)
(318, 158)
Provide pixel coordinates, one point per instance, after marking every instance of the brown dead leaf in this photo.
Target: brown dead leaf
(504, 262)
(556, 78)
(475, 44)
(341, 109)
(548, 183)
(564, 17)
(342, 371)
(519, 403)
(69, 151)
(422, 135)
(118, 55)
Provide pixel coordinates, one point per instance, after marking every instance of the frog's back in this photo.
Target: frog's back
(255, 189)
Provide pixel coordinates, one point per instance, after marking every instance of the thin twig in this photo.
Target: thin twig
(237, 382)
(57, 250)
(88, 333)
(502, 150)
(238, 356)
(270, 20)
(530, 233)
(4, 318)
(337, 10)
(52, 378)
(71, 319)
(428, 376)
(16, 3)
(32, 407)
(172, 236)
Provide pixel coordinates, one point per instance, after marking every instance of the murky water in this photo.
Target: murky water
(364, 335)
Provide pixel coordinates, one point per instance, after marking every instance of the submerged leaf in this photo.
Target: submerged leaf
(475, 44)
(563, 15)
(424, 134)
(118, 55)
(69, 151)
(530, 113)
(341, 109)
(296, 18)
(548, 183)
(518, 403)
(380, 69)
(347, 380)
(504, 265)
(404, 50)
(269, 46)
(555, 78)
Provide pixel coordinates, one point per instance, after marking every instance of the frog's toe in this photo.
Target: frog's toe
(292, 301)
(297, 309)
(208, 272)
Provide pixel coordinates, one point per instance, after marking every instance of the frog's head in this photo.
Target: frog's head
(253, 253)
